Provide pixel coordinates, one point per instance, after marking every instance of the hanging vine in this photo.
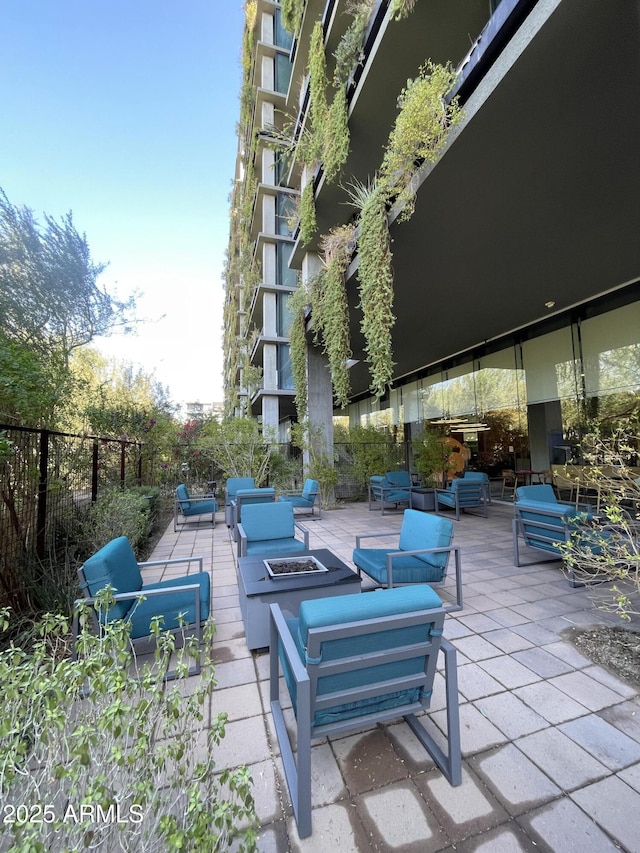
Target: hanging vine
(331, 308)
(375, 275)
(336, 135)
(401, 8)
(298, 302)
(292, 11)
(420, 130)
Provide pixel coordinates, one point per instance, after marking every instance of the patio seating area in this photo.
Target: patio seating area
(550, 741)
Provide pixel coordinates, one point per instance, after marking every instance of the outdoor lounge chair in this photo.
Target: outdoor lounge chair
(422, 555)
(192, 507)
(383, 491)
(543, 522)
(231, 489)
(269, 529)
(249, 496)
(463, 494)
(353, 660)
(308, 498)
(481, 477)
(180, 601)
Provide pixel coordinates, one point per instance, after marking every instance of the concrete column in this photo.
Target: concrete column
(270, 315)
(270, 367)
(269, 263)
(319, 388)
(267, 74)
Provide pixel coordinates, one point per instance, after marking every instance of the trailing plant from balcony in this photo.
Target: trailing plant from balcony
(336, 135)
(349, 51)
(292, 11)
(401, 8)
(298, 302)
(307, 212)
(420, 130)
(331, 308)
(318, 83)
(375, 275)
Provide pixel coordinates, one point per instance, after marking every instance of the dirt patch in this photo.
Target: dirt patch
(615, 649)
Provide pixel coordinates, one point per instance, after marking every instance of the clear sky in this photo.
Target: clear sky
(124, 112)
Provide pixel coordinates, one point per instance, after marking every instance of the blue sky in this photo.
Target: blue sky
(124, 112)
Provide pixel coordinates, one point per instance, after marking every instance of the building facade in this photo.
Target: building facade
(515, 315)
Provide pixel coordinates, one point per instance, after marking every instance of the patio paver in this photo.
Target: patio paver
(551, 742)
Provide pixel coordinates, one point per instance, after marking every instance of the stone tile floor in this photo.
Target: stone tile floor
(551, 742)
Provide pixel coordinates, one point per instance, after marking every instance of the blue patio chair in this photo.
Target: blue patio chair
(308, 498)
(269, 529)
(462, 494)
(422, 555)
(249, 496)
(355, 660)
(231, 489)
(543, 523)
(481, 477)
(382, 491)
(191, 507)
(180, 601)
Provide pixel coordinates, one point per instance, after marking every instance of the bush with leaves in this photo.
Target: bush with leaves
(100, 753)
(607, 549)
(118, 513)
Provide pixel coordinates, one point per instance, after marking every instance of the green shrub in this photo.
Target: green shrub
(118, 513)
(101, 753)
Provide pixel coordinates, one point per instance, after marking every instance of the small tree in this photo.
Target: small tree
(608, 549)
(320, 467)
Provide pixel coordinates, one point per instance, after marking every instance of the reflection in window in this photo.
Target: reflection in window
(281, 37)
(283, 73)
(285, 214)
(285, 373)
(285, 276)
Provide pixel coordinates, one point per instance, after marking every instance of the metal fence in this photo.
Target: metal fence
(49, 478)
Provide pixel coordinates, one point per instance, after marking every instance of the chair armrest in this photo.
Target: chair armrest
(361, 536)
(242, 540)
(171, 562)
(450, 549)
(305, 533)
(142, 593)
(279, 630)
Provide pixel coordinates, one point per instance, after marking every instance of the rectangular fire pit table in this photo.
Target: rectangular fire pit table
(258, 590)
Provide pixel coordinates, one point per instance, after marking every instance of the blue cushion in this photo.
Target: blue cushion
(310, 490)
(114, 564)
(399, 478)
(542, 492)
(421, 530)
(373, 561)
(170, 606)
(265, 521)
(235, 483)
(353, 608)
(274, 547)
(476, 475)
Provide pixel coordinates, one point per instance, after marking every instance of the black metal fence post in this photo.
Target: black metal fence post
(41, 523)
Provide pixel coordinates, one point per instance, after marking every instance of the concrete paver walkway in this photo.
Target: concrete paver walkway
(551, 742)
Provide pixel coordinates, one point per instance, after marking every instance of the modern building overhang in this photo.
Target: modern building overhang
(536, 198)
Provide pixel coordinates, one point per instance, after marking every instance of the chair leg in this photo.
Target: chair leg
(450, 764)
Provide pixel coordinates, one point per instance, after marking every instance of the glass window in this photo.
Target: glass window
(550, 367)
(281, 37)
(285, 214)
(284, 315)
(284, 275)
(285, 374)
(283, 73)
